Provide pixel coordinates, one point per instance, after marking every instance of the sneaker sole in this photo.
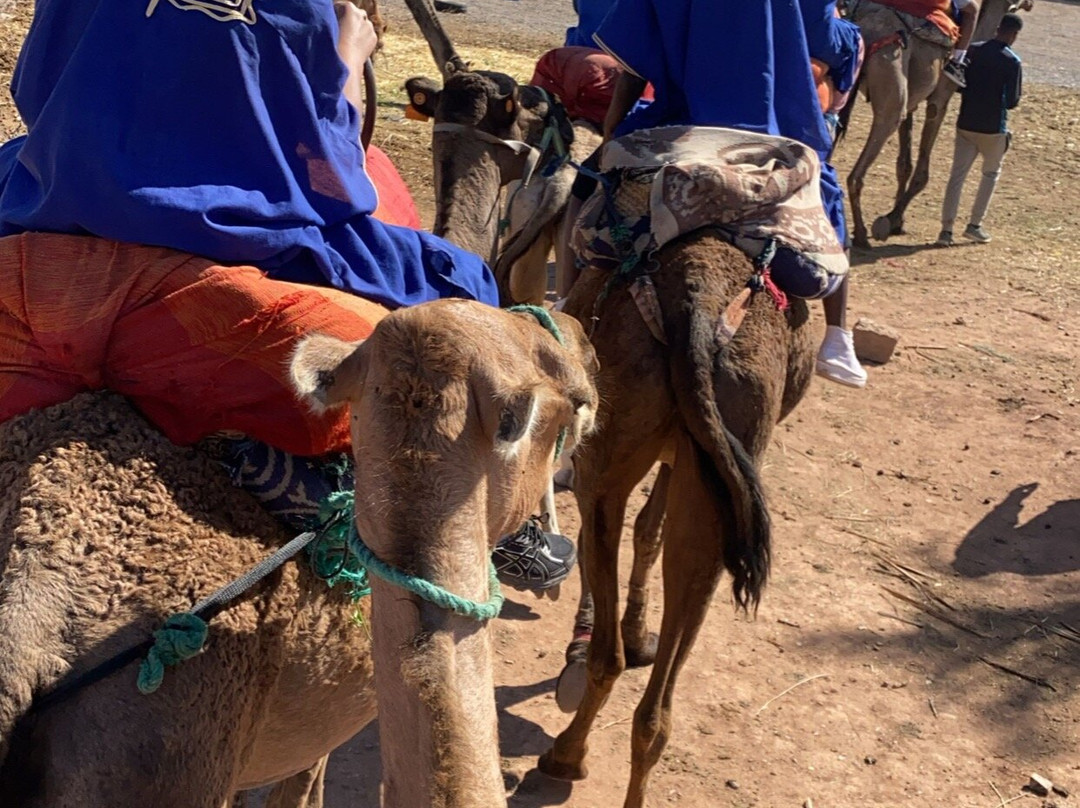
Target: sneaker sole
(976, 239)
(855, 383)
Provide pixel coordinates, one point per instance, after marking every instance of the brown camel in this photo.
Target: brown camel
(108, 527)
(706, 412)
(897, 79)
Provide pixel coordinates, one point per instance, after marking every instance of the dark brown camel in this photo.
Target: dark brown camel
(706, 412)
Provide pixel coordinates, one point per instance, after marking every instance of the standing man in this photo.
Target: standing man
(993, 88)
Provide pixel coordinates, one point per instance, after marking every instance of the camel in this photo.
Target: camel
(107, 527)
(896, 80)
(706, 413)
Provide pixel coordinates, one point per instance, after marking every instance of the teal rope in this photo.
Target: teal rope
(543, 316)
(182, 637)
(329, 556)
(428, 591)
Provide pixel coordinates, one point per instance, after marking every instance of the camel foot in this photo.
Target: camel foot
(571, 772)
(881, 229)
(570, 689)
(644, 656)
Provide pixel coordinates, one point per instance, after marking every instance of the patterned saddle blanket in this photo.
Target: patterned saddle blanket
(926, 19)
(763, 192)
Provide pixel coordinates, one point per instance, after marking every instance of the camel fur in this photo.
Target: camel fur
(106, 528)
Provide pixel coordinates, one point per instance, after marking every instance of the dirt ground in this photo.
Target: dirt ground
(952, 480)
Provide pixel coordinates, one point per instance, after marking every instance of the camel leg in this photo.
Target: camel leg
(692, 567)
(302, 790)
(887, 89)
(892, 223)
(601, 531)
(528, 275)
(639, 643)
(936, 107)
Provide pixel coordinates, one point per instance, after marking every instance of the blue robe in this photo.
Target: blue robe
(732, 63)
(590, 14)
(217, 128)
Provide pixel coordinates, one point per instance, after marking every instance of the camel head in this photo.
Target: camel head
(486, 134)
(456, 409)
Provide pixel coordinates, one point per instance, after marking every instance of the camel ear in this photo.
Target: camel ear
(423, 96)
(504, 109)
(326, 371)
(572, 367)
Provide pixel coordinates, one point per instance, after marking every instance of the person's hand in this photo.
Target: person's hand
(357, 40)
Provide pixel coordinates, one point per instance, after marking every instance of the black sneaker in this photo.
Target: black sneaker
(954, 71)
(533, 559)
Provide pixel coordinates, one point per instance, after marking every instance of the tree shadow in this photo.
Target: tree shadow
(1046, 544)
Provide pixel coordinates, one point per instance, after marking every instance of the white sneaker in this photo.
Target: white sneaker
(836, 360)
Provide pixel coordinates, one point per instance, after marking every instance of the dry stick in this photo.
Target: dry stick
(917, 584)
(933, 612)
(1035, 680)
(785, 692)
(902, 619)
(933, 708)
(1001, 799)
(611, 724)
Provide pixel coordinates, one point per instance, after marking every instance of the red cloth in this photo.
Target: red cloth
(196, 346)
(396, 204)
(939, 12)
(583, 79)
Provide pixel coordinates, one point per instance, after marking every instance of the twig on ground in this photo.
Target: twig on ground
(933, 708)
(1043, 415)
(611, 724)
(1038, 315)
(936, 613)
(901, 619)
(851, 518)
(1035, 680)
(785, 692)
(905, 574)
(785, 622)
(865, 537)
(1001, 799)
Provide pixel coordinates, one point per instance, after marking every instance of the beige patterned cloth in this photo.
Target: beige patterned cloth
(756, 187)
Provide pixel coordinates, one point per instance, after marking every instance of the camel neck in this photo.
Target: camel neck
(437, 721)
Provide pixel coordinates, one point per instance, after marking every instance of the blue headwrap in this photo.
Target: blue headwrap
(216, 127)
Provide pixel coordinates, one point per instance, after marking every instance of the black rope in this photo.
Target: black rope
(206, 609)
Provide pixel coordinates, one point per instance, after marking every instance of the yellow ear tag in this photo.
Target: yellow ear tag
(413, 114)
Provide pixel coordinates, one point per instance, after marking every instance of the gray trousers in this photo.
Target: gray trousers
(969, 145)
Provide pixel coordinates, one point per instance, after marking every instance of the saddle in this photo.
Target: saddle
(761, 192)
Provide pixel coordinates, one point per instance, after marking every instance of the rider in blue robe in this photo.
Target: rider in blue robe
(215, 127)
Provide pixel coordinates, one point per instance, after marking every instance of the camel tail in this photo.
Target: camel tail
(727, 468)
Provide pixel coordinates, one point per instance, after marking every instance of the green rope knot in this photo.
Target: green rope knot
(329, 555)
(182, 637)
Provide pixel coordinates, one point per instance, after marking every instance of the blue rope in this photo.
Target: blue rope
(182, 637)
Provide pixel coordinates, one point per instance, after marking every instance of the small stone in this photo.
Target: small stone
(1039, 785)
(732, 784)
(874, 342)
(869, 760)
(808, 803)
